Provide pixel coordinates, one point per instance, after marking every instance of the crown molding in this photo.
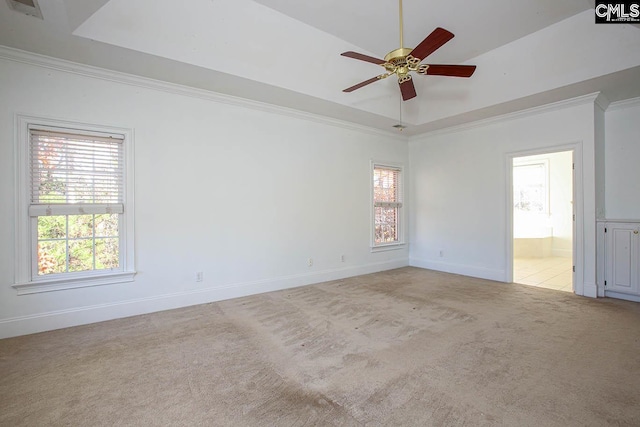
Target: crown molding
(554, 106)
(43, 61)
(602, 101)
(627, 103)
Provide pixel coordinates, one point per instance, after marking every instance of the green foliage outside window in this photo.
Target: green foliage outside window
(68, 243)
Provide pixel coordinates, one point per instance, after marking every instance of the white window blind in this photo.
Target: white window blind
(75, 174)
(386, 186)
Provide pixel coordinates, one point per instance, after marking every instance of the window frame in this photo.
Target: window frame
(378, 247)
(26, 280)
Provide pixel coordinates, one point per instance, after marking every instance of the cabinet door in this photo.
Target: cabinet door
(622, 257)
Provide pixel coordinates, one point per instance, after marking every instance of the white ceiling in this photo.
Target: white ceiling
(480, 26)
(287, 52)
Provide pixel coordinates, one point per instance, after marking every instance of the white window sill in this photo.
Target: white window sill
(83, 281)
(387, 247)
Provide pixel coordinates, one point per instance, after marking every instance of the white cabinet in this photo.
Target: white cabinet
(622, 259)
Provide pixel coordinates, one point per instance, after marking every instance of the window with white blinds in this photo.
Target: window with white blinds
(75, 173)
(74, 222)
(387, 202)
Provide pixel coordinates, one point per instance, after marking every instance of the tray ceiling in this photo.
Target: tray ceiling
(287, 52)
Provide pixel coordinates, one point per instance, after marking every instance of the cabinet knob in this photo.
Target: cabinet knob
(635, 231)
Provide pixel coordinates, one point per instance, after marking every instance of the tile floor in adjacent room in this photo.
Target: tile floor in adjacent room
(551, 273)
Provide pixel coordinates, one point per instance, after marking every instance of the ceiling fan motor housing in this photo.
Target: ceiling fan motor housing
(400, 62)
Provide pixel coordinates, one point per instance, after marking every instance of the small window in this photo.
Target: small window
(77, 216)
(531, 187)
(387, 205)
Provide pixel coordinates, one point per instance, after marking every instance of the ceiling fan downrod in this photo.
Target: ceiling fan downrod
(401, 26)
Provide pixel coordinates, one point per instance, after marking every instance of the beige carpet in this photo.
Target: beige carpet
(408, 347)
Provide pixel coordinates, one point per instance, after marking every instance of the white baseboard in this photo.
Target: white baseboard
(465, 270)
(48, 321)
(619, 295)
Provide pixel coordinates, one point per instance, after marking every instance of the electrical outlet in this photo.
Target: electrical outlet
(341, 258)
(310, 262)
(441, 253)
(199, 276)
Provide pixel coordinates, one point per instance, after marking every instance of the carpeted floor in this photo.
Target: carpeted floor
(407, 347)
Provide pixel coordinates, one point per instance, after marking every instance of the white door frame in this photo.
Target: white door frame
(578, 209)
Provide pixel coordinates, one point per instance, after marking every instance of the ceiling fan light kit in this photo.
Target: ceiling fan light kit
(404, 61)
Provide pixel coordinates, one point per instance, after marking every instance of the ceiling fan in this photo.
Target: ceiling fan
(403, 61)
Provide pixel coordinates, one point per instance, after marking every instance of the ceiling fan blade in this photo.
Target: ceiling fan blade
(437, 38)
(364, 83)
(450, 70)
(407, 88)
(362, 57)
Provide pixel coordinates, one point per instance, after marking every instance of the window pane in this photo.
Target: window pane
(52, 257)
(106, 225)
(529, 188)
(52, 227)
(81, 255)
(80, 226)
(386, 225)
(107, 253)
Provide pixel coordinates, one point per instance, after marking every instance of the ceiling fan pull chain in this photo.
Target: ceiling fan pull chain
(401, 125)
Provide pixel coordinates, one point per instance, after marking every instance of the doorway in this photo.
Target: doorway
(543, 220)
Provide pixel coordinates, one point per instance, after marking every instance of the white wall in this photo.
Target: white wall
(622, 160)
(460, 176)
(241, 194)
(600, 143)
